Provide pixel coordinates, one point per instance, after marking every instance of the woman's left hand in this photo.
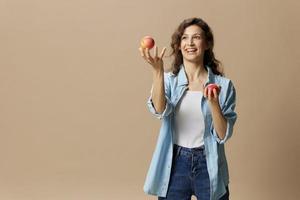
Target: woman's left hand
(212, 95)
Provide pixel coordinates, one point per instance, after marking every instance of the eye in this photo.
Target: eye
(197, 37)
(183, 37)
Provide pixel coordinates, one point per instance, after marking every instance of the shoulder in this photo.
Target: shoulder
(227, 87)
(170, 80)
(223, 81)
(169, 76)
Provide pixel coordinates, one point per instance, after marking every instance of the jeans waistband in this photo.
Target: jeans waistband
(186, 150)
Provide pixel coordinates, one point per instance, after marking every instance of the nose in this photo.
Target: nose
(190, 41)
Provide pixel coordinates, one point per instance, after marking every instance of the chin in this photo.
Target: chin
(192, 59)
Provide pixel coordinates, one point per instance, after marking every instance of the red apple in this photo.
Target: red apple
(147, 42)
(213, 86)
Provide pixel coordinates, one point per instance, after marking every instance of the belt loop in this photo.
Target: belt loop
(178, 150)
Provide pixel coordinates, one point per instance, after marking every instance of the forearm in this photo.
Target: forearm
(158, 92)
(219, 121)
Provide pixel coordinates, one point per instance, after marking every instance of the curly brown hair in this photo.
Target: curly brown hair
(209, 57)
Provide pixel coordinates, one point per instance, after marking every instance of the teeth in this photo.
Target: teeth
(191, 50)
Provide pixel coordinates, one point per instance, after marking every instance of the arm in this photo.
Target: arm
(159, 102)
(223, 117)
(219, 121)
(158, 92)
(221, 131)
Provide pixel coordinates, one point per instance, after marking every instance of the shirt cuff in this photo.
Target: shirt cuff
(229, 130)
(168, 108)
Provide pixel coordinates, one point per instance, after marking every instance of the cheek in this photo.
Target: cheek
(201, 44)
(181, 45)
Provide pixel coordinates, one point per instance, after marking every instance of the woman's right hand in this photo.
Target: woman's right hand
(156, 62)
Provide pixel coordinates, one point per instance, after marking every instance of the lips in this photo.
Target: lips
(191, 50)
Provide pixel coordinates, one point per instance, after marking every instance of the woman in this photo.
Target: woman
(189, 158)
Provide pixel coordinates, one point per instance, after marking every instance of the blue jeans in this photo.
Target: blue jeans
(189, 175)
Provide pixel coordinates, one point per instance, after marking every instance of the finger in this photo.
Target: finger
(215, 92)
(149, 57)
(142, 52)
(209, 94)
(205, 92)
(155, 51)
(162, 52)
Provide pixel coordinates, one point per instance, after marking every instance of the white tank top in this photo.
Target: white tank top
(189, 121)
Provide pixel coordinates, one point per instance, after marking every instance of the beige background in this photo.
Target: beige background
(73, 118)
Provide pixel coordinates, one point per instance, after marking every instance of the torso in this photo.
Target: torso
(195, 87)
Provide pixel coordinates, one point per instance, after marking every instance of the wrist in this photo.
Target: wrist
(215, 105)
(158, 72)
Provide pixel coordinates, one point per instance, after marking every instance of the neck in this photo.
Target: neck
(195, 71)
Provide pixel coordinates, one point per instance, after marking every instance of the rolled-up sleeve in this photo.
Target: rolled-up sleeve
(169, 107)
(229, 113)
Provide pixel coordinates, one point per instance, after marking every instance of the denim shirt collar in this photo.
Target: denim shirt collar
(182, 77)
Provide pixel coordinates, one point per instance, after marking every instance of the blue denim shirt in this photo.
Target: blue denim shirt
(158, 176)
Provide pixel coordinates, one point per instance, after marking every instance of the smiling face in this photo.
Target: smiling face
(193, 44)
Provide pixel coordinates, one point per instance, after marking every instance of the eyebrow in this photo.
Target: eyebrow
(193, 34)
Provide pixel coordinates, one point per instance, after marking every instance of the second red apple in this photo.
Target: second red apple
(213, 86)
